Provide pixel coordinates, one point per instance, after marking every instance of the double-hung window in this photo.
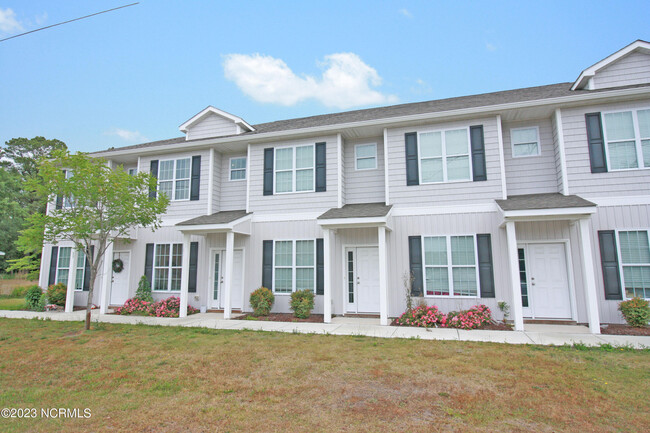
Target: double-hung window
(80, 270)
(238, 168)
(450, 266)
(525, 142)
(294, 169)
(627, 134)
(63, 265)
(635, 263)
(294, 265)
(174, 178)
(167, 267)
(67, 201)
(365, 156)
(444, 156)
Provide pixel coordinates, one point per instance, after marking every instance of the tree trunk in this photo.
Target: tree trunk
(89, 304)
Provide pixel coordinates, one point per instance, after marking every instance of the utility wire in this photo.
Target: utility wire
(69, 21)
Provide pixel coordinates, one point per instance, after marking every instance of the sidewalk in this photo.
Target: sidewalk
(547, 335)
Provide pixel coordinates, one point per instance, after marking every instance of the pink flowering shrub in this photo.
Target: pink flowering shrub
(430, 316)
(134, 306)
(169, 307)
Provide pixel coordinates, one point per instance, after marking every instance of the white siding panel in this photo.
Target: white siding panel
(216, 190)
(631, 69)
(233, 192)
(212, 125)
(532, 174)
(364, 186)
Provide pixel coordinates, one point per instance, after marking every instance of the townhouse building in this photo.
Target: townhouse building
(538, 197)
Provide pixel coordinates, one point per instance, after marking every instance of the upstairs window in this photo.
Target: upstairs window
(365, 156)
(294, 169)
(174, 178)
(525, 142)
(444, 156)
(238, 168)
(627, 135)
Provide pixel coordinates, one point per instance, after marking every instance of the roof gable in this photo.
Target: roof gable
(209, 111)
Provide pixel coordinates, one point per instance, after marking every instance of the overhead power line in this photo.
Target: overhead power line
(69, 21)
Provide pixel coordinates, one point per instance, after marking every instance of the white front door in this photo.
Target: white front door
(362, 270)
(120, 285)
(218, 276)
(548, 290)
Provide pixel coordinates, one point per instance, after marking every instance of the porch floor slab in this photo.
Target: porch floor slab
(534, 334)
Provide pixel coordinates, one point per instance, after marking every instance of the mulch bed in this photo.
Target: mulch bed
(616, 329)
(282, 317)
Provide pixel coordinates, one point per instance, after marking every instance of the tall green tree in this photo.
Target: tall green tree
(12, 213)
(100, 204)
(24, 154)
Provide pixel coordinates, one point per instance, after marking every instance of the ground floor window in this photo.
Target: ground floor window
(294, 265)
(80, 270)
(167, 267)
(635, 262)
(450, 266)
(63, 265)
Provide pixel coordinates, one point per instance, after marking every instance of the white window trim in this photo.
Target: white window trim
(637, 139)
(444, 156)
(356, 157)
(230, 169)
(619, 256)
(512, 142)
(169, 268)
(450, 266)
(293, 169)
(293, 266)
(174, 179)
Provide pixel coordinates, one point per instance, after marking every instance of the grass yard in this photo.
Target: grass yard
(158, 379)
(12, 303)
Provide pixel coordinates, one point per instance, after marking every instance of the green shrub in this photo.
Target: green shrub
(636, 312)
(144, 290)
(56, 294)
(33, 298)
(302, 302)
(19, 292)
(262, 301)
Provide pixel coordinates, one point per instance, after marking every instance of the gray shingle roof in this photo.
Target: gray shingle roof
(543, 201)
(223, 217)
(363, 210)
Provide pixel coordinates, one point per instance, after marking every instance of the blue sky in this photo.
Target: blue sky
(136, 74)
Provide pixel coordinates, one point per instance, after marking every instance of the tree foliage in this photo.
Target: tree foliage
(100, 205)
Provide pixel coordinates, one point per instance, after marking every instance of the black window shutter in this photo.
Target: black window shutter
(268, 171)
(148, 264)
(86, 285)
(267, 264)
(194, 260)
(321, 167)
(596, 142)
(59, 198)
(195, 185)
(53, 262)
(412, 170)
(485, 267)
(478, 153)
(320, 267)
(609, 261)
(153, 170)
(415, 263)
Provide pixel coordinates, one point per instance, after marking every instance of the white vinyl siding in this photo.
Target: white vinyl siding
(211, 125)
(627, 134)
(444, 156)
(525, 142)
(294, 266)
(629, 70)
(238, 168)
(167, 267)
(294, 169)
(450, 266)
(635, 263)
(362, 186)
(174, 178)
(365, 156)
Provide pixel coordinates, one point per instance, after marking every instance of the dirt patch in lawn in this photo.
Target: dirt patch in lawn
(616, 329)
(283, 317)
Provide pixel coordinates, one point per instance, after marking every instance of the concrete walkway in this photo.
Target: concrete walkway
(534, 334)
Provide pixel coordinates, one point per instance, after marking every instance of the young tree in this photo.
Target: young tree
(100, 204)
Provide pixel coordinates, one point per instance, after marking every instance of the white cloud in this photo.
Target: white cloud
(490, 47)
(406, 13)
(8, 21)
(421, 87)
(127, 135)
(346, 81)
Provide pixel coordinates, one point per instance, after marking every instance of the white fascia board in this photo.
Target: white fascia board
(342, 223)
(588, 73)
(393, 121)
(235, 226)
(291, 216)
(211, 109)
(561, 212)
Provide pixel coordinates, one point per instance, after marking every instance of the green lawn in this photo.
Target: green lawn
(12, 303)
(141, 378)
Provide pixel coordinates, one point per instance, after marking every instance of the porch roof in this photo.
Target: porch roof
(223, 217)
(231, 220)
(545, 206)
(357, 215)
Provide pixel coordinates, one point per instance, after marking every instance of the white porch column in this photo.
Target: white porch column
(227, 287)
(513, 265)
(185, 275)
(72, 273)
(383, 277)
(107, 280)
(589, 277)
(327, 281)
